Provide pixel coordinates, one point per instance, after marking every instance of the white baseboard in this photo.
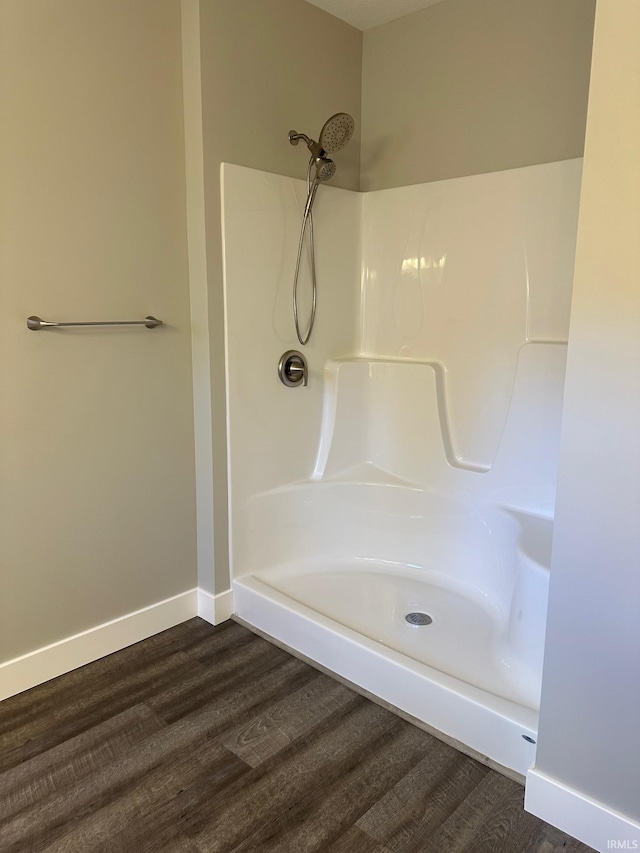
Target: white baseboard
(587, 820)
(40, 665)
(53, 660)
(215, 608)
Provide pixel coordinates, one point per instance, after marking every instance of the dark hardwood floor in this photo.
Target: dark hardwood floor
(212, 739)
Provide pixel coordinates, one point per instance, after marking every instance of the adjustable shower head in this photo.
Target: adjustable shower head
(325, 169)
(336, 132)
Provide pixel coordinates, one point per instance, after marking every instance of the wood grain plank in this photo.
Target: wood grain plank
(123, 777)
(491, 819)
(423, 799)
(237, 668)
(163, 839)
(74, 759)
(284, 722)
(210, 648)
(548, 839)
(198, 798)
(83, 709)
(274, 786)
(329, 810)
(77, 817)
(355, 841)
(506, 826)
(234, 706)
(154, 792)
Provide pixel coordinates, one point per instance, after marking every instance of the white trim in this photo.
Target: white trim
(198, 286)
(227, 379)
(215, 608)
(588, 820)
(40, 665)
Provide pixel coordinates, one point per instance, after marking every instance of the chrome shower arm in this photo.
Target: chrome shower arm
(314, 147)
(295, 137)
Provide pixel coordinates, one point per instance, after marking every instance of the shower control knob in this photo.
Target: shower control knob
(292, 369)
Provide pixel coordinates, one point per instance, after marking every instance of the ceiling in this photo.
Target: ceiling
(365, 14)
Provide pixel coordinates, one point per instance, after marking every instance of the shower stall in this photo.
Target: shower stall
(392, 519)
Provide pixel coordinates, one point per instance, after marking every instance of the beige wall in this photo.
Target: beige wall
(589, 711)
(97, 506)
(267, 66)
(472, 86)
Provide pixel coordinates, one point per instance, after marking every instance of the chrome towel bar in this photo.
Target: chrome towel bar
(35, 323)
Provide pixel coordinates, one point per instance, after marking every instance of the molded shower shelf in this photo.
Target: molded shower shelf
(392, 416)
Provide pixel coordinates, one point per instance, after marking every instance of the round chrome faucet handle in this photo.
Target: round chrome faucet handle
(292, 369)
(295, 372)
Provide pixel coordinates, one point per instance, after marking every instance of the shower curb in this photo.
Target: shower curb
(494, 734)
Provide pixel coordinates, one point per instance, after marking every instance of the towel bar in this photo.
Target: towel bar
(35, 323)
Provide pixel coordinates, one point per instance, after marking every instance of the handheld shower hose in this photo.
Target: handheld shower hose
(335, 134)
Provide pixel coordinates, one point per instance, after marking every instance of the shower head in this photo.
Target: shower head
(335, 134)
(325, 169)
(337, 131)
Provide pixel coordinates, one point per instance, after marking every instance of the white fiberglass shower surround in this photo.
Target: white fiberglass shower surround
(415, 473)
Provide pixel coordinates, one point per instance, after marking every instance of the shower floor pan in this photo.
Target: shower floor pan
(454, 674)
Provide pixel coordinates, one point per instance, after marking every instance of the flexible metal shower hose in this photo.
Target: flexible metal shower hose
(307, 217)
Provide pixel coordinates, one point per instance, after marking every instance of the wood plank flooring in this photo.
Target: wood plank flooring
(211, 740)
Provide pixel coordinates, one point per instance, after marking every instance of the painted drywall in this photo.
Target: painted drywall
(472, 86)
(266, 68)
(97, 511)
(588, 738)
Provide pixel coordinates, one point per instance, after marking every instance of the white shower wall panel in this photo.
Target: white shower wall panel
(461, 273)
(468, 280)
(274, 431)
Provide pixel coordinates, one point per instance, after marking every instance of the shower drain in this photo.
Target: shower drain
(418, 618)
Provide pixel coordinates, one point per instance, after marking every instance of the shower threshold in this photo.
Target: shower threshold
(453, 682)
